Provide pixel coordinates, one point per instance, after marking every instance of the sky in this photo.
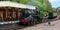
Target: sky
(55, 3)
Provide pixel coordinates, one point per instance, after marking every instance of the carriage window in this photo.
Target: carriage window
(14, 14)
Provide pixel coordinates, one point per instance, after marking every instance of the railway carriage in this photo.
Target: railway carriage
(10, 12)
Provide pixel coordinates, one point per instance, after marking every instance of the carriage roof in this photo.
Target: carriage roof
(14, 4)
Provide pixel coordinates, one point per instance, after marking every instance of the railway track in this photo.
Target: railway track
(14, 27)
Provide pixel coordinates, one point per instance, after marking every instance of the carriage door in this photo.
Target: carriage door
(14, 15)
(1, 16)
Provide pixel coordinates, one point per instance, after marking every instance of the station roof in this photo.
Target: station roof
(14, 4)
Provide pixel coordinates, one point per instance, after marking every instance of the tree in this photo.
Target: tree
(58, 10)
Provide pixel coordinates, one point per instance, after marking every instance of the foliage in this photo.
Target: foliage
(58, 8)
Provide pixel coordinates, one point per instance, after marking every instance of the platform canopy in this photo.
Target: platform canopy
(14, 4)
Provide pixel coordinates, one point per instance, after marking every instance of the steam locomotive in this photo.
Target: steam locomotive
(32, 17)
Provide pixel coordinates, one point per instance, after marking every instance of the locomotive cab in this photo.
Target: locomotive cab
(52, 15)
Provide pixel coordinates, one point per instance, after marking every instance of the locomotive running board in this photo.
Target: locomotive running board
(9, 22)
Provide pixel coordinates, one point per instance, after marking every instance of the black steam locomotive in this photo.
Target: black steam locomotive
(31, 17)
